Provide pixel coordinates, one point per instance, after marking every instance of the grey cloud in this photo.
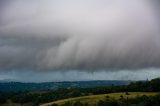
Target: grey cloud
(81, 35)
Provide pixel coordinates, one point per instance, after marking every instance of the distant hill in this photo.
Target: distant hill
(19, 86)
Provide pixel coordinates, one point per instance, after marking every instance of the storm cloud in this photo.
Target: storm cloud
(79, 35)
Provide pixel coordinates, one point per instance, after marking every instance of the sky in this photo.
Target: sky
(59, 40)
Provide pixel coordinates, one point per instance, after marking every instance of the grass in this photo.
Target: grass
(95, 98)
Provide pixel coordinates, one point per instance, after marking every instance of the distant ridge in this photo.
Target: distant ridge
(12, 85)
(8, 80)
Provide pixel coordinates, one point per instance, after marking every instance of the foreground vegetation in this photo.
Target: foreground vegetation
(137, 101)
(97, 99)
(28, 98)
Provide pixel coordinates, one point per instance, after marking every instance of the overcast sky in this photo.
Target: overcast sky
(58, 40)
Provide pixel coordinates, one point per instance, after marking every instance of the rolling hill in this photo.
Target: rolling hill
(95, 98)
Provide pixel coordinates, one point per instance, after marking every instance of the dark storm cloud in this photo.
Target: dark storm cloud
(81, 35)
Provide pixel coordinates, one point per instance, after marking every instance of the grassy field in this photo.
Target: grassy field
(95, 98)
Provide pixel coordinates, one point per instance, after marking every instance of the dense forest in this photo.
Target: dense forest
(39, 97)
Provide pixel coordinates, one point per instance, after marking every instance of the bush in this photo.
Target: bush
(54, 104)
(77, 104)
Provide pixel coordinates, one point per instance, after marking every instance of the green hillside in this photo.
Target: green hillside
(95, 98)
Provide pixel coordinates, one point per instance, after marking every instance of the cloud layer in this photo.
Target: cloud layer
(80, 35)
